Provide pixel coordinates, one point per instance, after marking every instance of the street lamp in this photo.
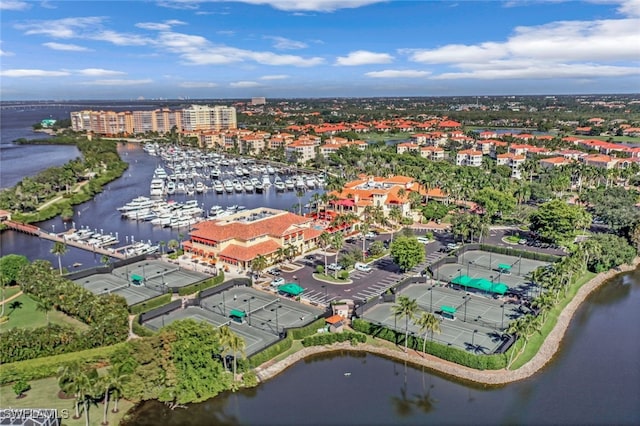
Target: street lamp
(466, 299)
(502, 320)
(249, 313)
(325, 292)
(430, 289)
(473, 338)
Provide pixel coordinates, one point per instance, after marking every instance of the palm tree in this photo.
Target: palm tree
(237, 345)
(173, 245)
(59, 249)
(427, 323)
(325, 241)
(299, 195)
(111, 381)
(396, 215)
(405, 308)
(68, 381)
(337, 241)
(224, 336)
(258, 264)
(45, 305)
(118, 379)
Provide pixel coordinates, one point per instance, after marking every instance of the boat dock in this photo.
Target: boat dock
(62, 238)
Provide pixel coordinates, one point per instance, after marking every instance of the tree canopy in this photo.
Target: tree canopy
(10, 266)
(557, 221)
(407, 252)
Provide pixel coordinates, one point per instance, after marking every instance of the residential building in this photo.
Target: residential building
(469, 157)
(513, 161)
(552, 162)
(433, 153)
(203, 117)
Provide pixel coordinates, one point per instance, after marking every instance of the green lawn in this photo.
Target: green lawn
(26, 316)
(331, 278)
(535, 341)
(376, 137)
(613, 138)
(44, 394)
(10, 291)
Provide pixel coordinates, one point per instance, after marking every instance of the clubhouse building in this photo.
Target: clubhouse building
(239, 238)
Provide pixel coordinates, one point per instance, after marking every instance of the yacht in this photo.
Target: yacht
(219, 188)
(136, 204)
(300, 185)
(199, 187)
(228, 186)
(270, 170)
(159, 173)
(214, 173)
(191, 189)
(171, 187)
(237, 186)
(181, 187)
(266, 181)
(279, 184)
(288, 183)
(238, 171)
(247, 185)
(310, 182)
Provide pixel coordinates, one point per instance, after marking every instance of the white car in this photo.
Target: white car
(423, 240)
(362, 267)
(277, 282)
(334, 267)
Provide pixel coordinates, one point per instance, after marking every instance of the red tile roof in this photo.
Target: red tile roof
(237, 252)
(221, 230)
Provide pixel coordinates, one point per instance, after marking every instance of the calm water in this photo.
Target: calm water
(101, 213)
(595, 379)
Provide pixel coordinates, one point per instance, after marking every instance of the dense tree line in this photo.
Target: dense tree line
(106, 316)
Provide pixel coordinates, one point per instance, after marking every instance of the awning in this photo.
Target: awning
(237, 313)
(292, 289)
(480, 284)
(448, 309)
(504, 266)
(136, 277)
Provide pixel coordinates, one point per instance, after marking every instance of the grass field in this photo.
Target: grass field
(535, 341)
(27, 316)
(10, 291)
(626, 139)
(44, 394)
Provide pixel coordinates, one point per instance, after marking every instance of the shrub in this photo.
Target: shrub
(20, 387)
(150, 304)
(308, 330)
(343, 275)
(329, 338)
(203, 285)
(320, 269)
(139, 329)
(272, 351)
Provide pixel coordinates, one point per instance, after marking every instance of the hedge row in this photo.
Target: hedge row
(139, 329)
(272, 351)
(302, 332)
(194, 288)
(545, 257)
(329, 338)
(448, 353)
(41, 368)
(150, 304)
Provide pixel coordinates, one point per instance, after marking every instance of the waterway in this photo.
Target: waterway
(594, 379)
(101, 213)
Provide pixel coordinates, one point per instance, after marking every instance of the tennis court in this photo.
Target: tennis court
(469, 336)
(110, 284)
(159, 273)
(497, 268)
(256, 309)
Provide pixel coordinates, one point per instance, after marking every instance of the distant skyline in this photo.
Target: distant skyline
(174, 49)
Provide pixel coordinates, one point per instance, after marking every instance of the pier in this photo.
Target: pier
(62, 238)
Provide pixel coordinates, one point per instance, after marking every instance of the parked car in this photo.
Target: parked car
(370, 235)
(277, 282)
(274, 271)
(423, 240)
(334, 267)
(453, 246)
(310, 257)
(522, 241)
(362, 267)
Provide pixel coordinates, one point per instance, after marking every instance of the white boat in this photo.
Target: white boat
(247, 185)
(156, 188)
(219, 188)
(279, 184)
(171, 187)
(237, 185)
(181, 187)
(159, 173)
(238, 172)
(288, 183)
(310, 182)
(199, 187)
(214, 211)
(266, 181)
(136, 204)
(300, 185)
(228, 186)
(270, 170)
(191, 189)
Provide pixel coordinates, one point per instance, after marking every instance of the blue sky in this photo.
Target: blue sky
(316, 48)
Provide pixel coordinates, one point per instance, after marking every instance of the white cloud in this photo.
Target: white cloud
(14, 5)
(60, 28)
(397, 74)
(543, 71)
(197, 50)
(99, 72)
(47, 5)
(160, 26)
(285, 43)
(244, 84)
(180, 4)
(630, 8)
(197, 84)
(364, 57)
(121, 39)
(562, 49)
(226, 32)
(117, 82)
(66, 47)
(275, 77)
(18, 73)
(312, 5)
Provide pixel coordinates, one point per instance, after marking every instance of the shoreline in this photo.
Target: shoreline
(547, 350)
